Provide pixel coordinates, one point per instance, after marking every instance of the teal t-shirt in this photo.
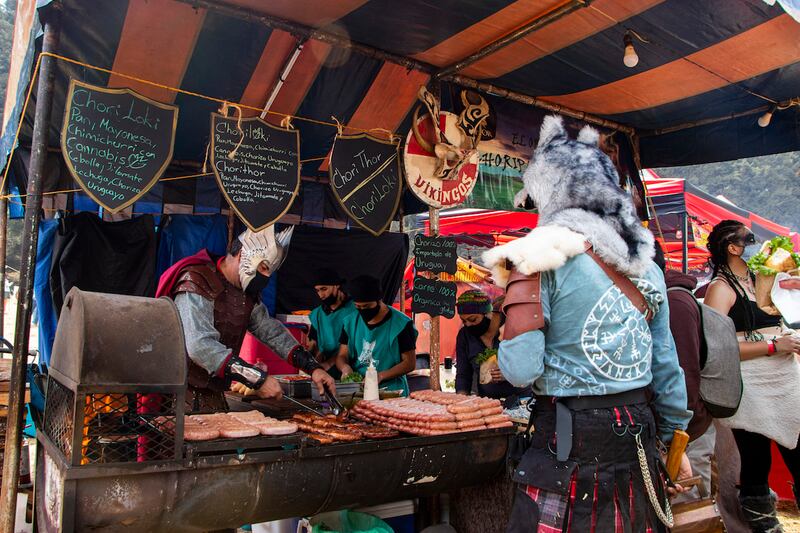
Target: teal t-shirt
(379, 343)
(328, 327)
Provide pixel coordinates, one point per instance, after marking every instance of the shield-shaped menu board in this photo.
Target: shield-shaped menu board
(116, 143)
(365, 178)
(257, 167)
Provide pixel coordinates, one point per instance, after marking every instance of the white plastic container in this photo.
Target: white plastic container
(447, 375)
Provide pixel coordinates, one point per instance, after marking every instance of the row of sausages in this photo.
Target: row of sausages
(327, 430)
(434, 414)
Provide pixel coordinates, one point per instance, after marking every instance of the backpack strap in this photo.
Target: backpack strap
(703, 345)
(624, 284)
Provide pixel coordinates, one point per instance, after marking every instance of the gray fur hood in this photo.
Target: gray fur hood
(576, 189)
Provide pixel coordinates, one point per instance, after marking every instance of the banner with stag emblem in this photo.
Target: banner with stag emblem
(441, 155)
(508, 140)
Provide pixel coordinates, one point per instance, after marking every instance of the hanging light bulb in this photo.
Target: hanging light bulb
(631, 59)
(766, 118)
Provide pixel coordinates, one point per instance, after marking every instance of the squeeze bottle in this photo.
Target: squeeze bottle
(371, 383)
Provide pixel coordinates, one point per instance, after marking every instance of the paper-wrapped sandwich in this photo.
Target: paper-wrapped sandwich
(776, 255)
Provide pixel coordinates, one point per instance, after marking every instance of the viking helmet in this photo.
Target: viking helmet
(262, 247)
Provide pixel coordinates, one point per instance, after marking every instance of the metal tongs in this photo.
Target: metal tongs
(304, 406)
(336, 406)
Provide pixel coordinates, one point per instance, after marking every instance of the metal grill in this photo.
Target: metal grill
(123, 428)
(58, 416)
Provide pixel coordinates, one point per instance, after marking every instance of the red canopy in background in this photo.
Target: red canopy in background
(673, 197)
(479, 227)
(483, 222)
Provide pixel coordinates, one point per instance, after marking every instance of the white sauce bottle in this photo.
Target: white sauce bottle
(371, 383)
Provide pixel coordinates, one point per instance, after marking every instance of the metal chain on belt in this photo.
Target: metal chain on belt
(664, 515)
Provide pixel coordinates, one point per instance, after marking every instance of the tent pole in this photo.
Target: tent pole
(685, 262)
(534, 25)
(30, 237)
(433, 230)
(3, 252)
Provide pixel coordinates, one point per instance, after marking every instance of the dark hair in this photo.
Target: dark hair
(659, 259)
(235, 247)
(723, 234)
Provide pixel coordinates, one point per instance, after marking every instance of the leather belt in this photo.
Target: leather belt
(564, 407)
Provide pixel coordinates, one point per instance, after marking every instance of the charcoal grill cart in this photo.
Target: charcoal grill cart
(111, 455)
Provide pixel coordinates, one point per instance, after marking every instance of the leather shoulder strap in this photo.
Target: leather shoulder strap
(199, 279)
(624, 284)
(523, 304)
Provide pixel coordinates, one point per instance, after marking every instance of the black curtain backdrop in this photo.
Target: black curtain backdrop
(95, 255)
(350, 253)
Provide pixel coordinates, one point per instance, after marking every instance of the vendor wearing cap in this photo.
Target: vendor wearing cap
(327, 319)
(218, 301)
(480, 332)
(377, 333)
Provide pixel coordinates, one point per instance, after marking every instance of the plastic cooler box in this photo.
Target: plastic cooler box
(253, 351)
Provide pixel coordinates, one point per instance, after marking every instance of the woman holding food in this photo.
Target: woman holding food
(476, 348)
(770, 406)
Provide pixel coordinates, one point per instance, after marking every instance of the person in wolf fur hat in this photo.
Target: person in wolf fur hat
(581, 288)
(218, 300)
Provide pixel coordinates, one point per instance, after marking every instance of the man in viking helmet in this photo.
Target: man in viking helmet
(218, 300)
(587, 324)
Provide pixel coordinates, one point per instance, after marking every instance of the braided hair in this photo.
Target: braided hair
(723, 234)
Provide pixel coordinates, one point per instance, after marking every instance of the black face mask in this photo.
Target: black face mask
(480, 328)
(256, 285)
(369, 313)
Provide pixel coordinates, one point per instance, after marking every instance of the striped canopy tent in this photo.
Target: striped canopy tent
(706, 72)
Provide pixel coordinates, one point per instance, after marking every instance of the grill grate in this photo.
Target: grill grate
(58, 416)
(122, 428)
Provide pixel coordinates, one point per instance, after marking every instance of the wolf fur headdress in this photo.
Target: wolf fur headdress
(576, 189)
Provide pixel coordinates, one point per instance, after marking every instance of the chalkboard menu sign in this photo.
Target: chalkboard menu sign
(257, 166)
(435, 254)
(436, 298)
(116, 143)
(365, 178)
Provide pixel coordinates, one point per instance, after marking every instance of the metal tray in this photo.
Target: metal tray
(295, 389)
(343, 390)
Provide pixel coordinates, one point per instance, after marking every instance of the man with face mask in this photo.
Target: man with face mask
(327, 320)
(218, 300)
(481, 331)
(379, 334)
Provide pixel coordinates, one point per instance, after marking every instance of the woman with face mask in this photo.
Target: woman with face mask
(770, 407)
(480, 331)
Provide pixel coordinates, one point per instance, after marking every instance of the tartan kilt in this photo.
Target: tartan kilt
(600, 487)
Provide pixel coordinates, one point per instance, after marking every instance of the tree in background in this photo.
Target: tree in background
(768, 186)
